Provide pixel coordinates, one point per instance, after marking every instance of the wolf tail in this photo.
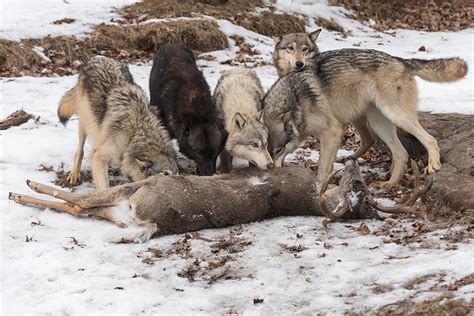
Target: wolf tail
(67, 105)
(438, 70)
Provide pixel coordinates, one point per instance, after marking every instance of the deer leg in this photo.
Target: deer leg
(56, 193)
(60, 206)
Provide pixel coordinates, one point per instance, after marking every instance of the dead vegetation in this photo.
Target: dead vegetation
(270, 24)
(15, 119)
(64, 55)
(239, 12)
(424, 15)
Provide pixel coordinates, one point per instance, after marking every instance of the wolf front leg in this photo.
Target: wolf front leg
(100, 170)
(74, 176)
(330, 141)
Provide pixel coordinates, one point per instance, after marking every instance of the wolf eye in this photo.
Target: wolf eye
(255, 145)
(304, 49)
(290, 48)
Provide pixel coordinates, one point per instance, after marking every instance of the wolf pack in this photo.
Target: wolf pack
(317, 94)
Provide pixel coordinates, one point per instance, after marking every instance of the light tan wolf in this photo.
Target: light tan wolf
(115, 113)
(362, 86)
(238, 97)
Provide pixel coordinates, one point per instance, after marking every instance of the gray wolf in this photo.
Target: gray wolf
(293, 51)
(115, 113)
(362, 87)
(238, 96)
(185, 105)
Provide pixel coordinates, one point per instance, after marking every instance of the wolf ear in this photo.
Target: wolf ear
(314, 35)
(259, 116)
(144, 163)
(238, 120)
(277, 39)
(286, 117)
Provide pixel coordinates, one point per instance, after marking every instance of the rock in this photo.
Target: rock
(454, 183)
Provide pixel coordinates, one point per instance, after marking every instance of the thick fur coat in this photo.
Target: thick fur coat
(238, 98)
(181, 95)
(114, 112)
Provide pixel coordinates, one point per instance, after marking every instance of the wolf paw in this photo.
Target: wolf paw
(432, 167)
(74, 178)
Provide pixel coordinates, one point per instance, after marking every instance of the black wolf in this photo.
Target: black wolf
(186, 107)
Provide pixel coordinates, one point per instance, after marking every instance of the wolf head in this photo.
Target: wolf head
(156, 164)
(202, 143)
(248, 139)
(294, 51)
(283, 136)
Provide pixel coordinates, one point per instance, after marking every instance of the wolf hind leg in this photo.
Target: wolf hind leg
(399, 106)
(408, 121)
(387, 131)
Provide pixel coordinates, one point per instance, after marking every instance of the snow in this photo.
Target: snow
(22, 19)
(54, 273)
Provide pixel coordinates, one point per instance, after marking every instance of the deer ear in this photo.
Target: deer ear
(277, 39)
(314, 35)
(259, 116)
(238, 120)
(286, 117)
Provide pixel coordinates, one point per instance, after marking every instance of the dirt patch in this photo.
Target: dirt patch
(64, 55)
(423, 15)
(442, 305)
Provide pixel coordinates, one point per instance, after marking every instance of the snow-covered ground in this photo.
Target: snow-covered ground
(34, 19)
(54, 274)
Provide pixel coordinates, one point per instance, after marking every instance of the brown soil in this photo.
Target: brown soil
(424, 15)
(128, 43)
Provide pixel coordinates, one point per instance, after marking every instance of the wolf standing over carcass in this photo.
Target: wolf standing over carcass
(181, 95)
(115, 113)
(238, 97)
(361, 86)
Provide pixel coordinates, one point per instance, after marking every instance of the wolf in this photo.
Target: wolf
(362, 87)
(182, 98)
(293, 51)
(238, 98)
(115, 113)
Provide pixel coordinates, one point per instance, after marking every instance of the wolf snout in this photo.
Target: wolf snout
(299, 64)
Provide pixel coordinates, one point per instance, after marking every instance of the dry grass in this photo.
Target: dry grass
(129, 43)
(14, 53)
(271, 24)
(427, 15)
(240, 12)
(329, 25)
(177, 8)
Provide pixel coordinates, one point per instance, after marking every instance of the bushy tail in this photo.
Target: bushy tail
(67, 105)
(438, 70)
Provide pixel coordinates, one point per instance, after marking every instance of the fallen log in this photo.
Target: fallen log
(177, 204)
